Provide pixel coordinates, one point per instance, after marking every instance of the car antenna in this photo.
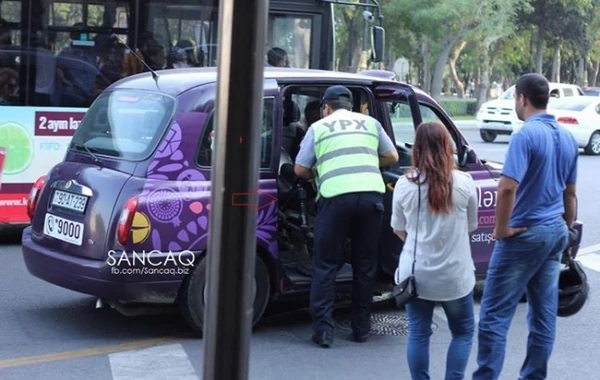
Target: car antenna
(154, 74)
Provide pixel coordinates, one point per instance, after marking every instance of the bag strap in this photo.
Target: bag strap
(417, 226)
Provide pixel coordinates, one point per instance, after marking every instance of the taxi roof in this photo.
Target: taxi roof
(177, 81)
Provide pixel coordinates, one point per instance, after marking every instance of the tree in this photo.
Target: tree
(460, 87)
(550, 18)
(501, 24)
(444, 24)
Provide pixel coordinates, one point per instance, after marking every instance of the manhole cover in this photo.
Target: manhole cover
(385, 324)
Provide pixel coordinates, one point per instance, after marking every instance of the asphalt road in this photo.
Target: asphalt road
(50, 333)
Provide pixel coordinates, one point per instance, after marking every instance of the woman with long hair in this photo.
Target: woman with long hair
(443, 267)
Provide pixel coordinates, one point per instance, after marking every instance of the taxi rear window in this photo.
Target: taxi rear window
(126, 124)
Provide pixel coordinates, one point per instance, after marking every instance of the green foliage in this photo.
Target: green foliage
(510, 28)
(454, 107)
(459, 107)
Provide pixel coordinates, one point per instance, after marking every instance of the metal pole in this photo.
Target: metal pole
(232, 239)
(365, 44)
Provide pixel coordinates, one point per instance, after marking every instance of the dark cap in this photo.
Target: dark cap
(337, 93)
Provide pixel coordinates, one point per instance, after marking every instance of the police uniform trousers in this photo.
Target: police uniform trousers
(357, 216)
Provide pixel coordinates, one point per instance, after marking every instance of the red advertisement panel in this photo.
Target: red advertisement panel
(13, 208)
(2, 155)
(57, 123)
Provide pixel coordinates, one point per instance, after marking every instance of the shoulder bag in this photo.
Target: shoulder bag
(407, 289)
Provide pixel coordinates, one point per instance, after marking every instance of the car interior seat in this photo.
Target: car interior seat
(291, 127)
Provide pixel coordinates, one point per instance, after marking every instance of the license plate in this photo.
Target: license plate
(69, 201)
(63, 229)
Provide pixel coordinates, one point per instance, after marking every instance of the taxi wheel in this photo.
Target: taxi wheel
(193, 295)
(487, 136)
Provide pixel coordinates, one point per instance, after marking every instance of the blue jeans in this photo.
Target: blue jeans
(461, 322)
(527, 262)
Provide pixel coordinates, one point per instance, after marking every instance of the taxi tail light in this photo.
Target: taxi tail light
(567, 120)
(126, 220)
(34, 196)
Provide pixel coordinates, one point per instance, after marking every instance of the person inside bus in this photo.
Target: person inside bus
(46, 72)
(156, 58)
(8, 53)
(109, 74)
(133, 60)
(9, 86)
(109, 51)
(78, 63)
(188, 47)
(277, 57)
(110, 62)
(178, 58)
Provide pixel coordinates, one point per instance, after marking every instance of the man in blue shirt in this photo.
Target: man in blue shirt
(536, 205)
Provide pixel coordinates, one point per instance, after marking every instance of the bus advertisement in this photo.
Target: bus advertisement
(54, 64)
(2, 156)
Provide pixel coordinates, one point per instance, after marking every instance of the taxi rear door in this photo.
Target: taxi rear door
(398, 111)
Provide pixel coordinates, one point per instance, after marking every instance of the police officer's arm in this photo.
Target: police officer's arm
(306, 157)
(388, 155)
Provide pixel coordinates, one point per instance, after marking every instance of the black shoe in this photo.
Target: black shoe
(324, 339)
(360, 338)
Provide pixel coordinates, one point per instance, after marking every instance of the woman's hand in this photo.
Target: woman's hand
(400, 234)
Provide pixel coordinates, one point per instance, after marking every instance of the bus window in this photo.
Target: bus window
(10, 66)
(191, 27)
(10, 11)
(292, 34)
(73, 55)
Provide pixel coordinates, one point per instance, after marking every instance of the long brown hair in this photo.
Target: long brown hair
(432, 155)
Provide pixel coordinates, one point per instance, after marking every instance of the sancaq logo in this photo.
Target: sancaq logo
(150, 262)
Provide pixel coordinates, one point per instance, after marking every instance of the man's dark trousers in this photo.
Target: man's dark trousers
(357, 216)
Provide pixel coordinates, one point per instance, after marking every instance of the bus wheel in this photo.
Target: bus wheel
(193, 295)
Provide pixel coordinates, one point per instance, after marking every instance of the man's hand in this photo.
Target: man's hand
(507, 232)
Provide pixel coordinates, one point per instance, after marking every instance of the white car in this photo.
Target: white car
(580, 116)
(498, 117)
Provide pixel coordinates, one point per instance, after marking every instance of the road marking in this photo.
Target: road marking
(87, 352)
(587, 250)
(154, 363)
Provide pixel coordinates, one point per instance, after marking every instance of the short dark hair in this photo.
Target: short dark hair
(276, 55)
(338, 104)
(535, 88)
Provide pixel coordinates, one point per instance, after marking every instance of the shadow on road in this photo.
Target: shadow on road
(11, 235)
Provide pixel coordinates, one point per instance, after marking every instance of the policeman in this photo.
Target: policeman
(346, 150)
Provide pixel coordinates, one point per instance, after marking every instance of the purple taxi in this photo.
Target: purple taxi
(125, 216)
